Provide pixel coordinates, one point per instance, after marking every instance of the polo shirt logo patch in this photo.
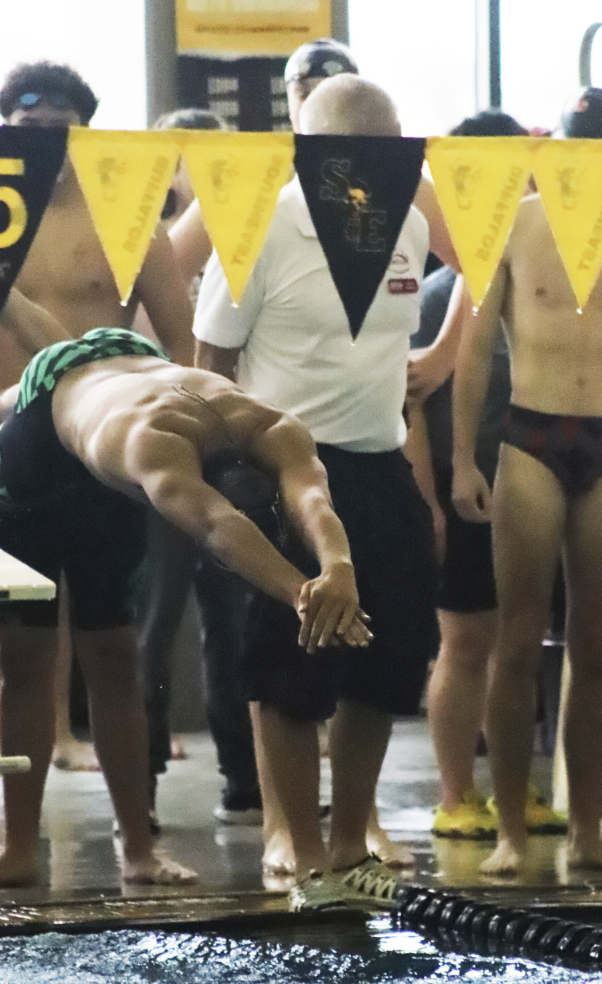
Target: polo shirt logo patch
(402, 286)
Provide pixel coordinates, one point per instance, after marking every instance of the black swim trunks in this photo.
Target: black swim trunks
(54, 515)
(571, 447)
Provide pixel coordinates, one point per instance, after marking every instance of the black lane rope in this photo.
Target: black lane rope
(497, 928)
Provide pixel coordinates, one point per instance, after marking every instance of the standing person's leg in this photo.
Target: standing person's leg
(103, 538)
(456, 698)
(290, 692)
(69, 753)
(529, 513)
(293, 760)
(224, 602)
(359, 736)
(391, 535)
(169, 568)
(278, 854)
(583, 730)
(110, 662)
(27, 659)
(467, 612)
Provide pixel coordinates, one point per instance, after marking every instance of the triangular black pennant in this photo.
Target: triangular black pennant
(358, 191)
(30, 159)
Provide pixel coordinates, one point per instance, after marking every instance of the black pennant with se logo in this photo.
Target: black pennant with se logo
(30, 160)
(358, 191)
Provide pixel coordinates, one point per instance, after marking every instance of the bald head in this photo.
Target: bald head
(350, 106)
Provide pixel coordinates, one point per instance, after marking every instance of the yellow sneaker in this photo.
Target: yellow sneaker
(472, 820)
(540, 816)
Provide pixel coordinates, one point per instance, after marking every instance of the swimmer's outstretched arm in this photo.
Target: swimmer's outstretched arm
(329, 603)
(166, 466)
(471, 495)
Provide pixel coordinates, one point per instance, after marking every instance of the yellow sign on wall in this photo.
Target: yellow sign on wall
(250, 27)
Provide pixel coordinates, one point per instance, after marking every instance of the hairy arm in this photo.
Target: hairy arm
(162, 292)
(441, 245)
(429, 367)
(166, 466)
(214, 358)
(190, 241)
(418, 452)
(33, 327)
(471, 495)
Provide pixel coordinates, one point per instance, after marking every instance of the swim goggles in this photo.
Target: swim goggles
(27, 100)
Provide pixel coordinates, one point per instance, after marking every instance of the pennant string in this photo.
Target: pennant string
(358, 194)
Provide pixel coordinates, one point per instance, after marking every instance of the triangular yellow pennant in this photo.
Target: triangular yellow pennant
(568, 174)
(124, 177)
(237, 178)
(479, 183)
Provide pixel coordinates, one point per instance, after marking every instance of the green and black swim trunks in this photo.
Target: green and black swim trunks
(54, 514)
(46, 368)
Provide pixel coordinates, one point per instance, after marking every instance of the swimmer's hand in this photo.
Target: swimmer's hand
(471, 494)
(329, 610)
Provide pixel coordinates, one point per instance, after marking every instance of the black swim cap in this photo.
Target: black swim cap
(319, 60)
(582, 116)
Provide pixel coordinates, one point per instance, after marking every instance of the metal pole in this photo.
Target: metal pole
(585, 55)
(340, 20)
(161, 59)
(495, 68)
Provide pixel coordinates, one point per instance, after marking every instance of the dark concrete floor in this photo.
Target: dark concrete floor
(81, 876)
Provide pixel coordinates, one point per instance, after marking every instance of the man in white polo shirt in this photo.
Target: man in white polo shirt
(289, 341)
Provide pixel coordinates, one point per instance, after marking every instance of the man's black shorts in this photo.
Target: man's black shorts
(466, 581)
(389, 527)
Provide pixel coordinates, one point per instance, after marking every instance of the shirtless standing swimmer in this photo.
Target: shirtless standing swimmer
(93, 438)
(65, 270)
(546, 502)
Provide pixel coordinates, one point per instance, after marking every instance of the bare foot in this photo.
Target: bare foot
(278, 857)
(177, 751)
(582, 853)
(17, 869)
(158, 868)
(393, 853)
(505, 860)
(75, 756)
(277, 883)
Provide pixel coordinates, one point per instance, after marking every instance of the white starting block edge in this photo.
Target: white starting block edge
(18, 582)
(14, 763)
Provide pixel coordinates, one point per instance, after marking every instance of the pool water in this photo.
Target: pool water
(371, 953)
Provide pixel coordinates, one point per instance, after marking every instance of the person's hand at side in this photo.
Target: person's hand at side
(471, 494)
(428, 368)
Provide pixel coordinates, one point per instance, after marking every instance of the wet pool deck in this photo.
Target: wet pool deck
(81, 887)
